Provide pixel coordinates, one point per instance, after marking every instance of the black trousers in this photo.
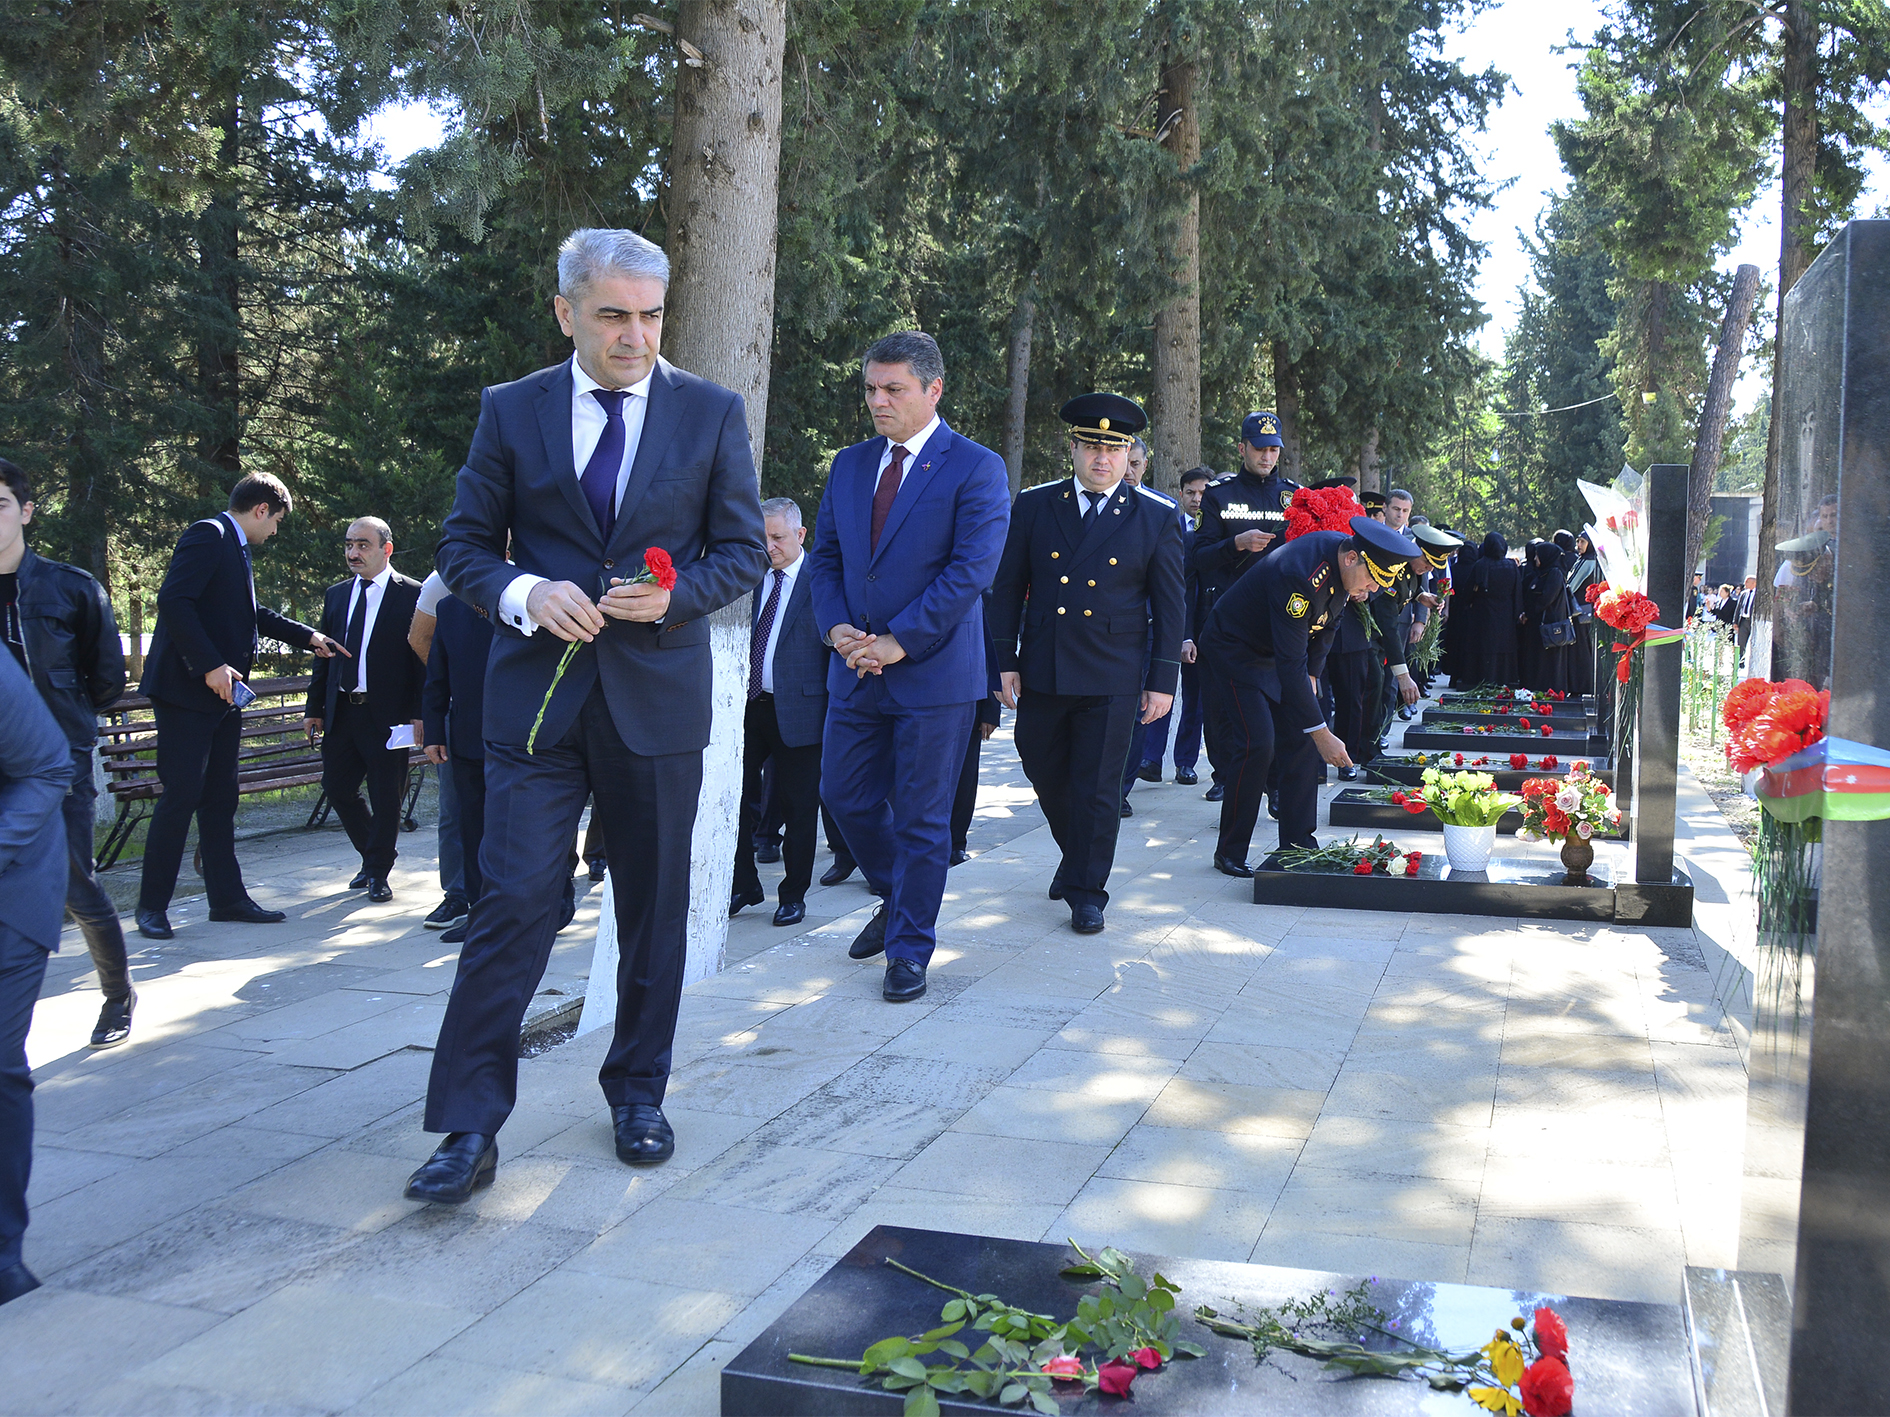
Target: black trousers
(469, 781)
(533, 802)
(1257, 739)
(22, 971)
(354, 750)
(196, 762)
(86, 901)
(796, 794)
(1350, 675)
(1073, 747)
(965, 799)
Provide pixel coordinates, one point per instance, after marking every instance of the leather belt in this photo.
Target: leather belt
(357, 696)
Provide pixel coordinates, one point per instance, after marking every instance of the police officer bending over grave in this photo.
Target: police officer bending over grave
(1261, 653)
(1089, 565)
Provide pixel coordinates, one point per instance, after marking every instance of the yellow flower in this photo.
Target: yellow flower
(1506, 1360)
(1496, 1399)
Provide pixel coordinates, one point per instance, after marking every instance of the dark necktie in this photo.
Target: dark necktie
(758, 640)
(357, 627)
(1091, 501)
(887, 490)
(249, 570)
(600, 473)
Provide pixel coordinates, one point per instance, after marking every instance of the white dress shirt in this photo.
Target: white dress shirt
(588, 421)
(1100, 499)
(376, 592)
(242, 540)
(912, 446)
(788, 574)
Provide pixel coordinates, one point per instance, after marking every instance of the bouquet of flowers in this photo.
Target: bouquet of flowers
(1579, 805)
(1632, 614)
(1321, 509)
(1768, 725)
(1377, 856)
(1463, 799)
(1768, 721)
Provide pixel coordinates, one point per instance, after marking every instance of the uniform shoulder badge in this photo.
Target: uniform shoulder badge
(1297, 605)
(1318, 577)
(1224, 477)
(1154, 496)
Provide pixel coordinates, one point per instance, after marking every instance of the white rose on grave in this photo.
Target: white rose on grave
(1583, 830)
(1568, 799)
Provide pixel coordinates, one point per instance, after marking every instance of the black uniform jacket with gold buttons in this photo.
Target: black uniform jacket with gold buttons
(1276, 624)
(1082, 600)
(1241, 501)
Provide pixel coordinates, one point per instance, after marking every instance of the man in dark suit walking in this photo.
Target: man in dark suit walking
(910, 529)
(787, 711)
(366, 708)
(202, 650)
(453, 710)
(1091, 565)
(35, 770)
(585, 467)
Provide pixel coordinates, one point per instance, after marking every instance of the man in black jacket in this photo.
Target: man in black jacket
(59, 627)
(205, 642)
(1089, 565)
(367, 707)
(454, 707)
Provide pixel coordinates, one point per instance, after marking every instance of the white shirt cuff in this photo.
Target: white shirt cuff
(512, 603)
(1400, 672)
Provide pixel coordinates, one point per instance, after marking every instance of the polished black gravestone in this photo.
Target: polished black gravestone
(1629, 1360)
(1561, 741)
(1507, 778)
(1461, 712)
(1818, 1105)
(1354, 807)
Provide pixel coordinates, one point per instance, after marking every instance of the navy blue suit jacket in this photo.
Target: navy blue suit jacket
(691, 491)
(801, 658)
(456, 679)
(207, 615)
(937, 555)
(35, 771)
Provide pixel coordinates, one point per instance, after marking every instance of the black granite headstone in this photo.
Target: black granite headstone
(1657, 734)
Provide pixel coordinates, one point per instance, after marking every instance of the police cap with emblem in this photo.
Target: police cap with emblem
(1372, 501)
(1805, 550)
(1437, 544)
(1325, 483)
(1261, 430)
(1385, 551)
(1108, 420)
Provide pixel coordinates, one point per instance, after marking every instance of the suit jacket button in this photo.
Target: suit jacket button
(1055, 554)
(1112, 560)
(1086, 612)
(1092, 583)
(1060, 610)
(609, 564)
(1066, 581)
(872, 575)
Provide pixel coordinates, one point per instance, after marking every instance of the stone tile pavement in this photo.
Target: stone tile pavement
(217, 1209)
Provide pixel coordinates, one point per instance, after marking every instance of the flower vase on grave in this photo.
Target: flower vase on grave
(1578, 854)
(1469, 848)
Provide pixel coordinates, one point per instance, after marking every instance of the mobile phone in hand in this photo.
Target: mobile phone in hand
(241, 694)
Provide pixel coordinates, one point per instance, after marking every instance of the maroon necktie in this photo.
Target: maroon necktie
(887, 490)
(758, 637)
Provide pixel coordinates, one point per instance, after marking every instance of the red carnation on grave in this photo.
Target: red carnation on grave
(1547, 1389)
(1362, 868)
(1524, 722)
(660, 568)
(1626, 610)
(1519, 761)
(1460, 760)
(1549, 763)
(1551, 1334)
(1545, 730)
(1321, 509)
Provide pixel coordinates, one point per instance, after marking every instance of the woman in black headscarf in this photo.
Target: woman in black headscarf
(1545, 602)
(1565, 543)
(1492, 600)
(1457, 658)
(1581, 656)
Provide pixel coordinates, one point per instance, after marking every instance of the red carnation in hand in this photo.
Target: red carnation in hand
(1547, 1389)
(1115, 1376)
(660, 568)
(1551, 1334)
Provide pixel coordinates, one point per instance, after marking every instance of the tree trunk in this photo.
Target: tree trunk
(82, 331)
(1023, 327)
(1368, 477)
(1716, 408)
(1175, 409)
(218, 251)
(1797, 231)
(724, 184)
(1286, 408)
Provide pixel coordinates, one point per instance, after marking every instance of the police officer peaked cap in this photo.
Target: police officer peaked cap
(1327, 482)
(1385, 551)
(1804, 550)
(1261, 429)
(1437, 544)
(1371, 501)
(1107, 419)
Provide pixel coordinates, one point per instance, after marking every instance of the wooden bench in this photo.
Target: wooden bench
(274, 754)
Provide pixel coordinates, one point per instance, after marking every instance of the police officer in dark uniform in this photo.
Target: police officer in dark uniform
(1264, 646)
(1243, 517)
(1090, 566)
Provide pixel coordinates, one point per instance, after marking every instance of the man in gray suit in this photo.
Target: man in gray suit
(787, 709)
(583, 468)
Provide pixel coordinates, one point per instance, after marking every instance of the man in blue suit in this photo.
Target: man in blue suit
(785, 717)
(911, 526)
(453, 706)
(582, 468)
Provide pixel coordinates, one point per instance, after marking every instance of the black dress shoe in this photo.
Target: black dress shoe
(463, 1163)
(114, 1021)
(1127, 810)
(598, 867)
(790, 912)
(871, 940)
(905, 981)
(1273, 805)
(1086, 919)
(1150, 772)
(446, 912)
(838, 872)
(1056, 890)
(644, 1136)
(359, 883)
(959, 858)
(1231, 868)
(249, 913)
(15, 1280)
(153, 925)
(768, 852)
(1215, 793)
(1186, 777)
(378, 890)
(738, 898)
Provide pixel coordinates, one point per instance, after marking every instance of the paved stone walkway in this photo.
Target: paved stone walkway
(217, 1209)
